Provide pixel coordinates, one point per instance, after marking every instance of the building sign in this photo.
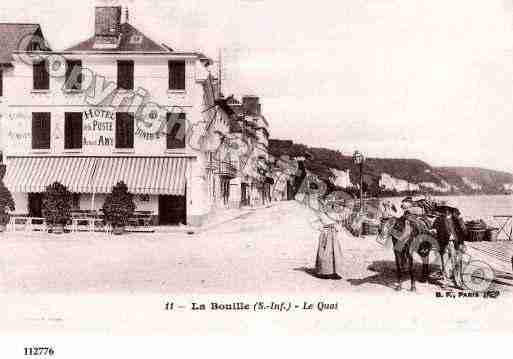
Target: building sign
(98, 128)
(17, 133)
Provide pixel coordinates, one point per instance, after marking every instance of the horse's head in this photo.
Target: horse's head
(449, 225)
(385, 227)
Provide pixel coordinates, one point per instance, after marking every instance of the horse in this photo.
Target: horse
(412, 234)
(413, 238)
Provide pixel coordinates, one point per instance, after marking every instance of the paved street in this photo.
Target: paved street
(269, 250)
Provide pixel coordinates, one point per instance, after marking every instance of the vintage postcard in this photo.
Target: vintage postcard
(255, 166)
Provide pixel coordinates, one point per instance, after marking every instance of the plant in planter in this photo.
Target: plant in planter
(6, 204)
(57, 206)
(119, 206)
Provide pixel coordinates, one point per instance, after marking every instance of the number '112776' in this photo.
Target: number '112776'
(40, 351)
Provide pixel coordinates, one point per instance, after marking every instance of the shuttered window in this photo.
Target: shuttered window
(124, 130)
(73, 82)
(73, 130)
(41, 129)
(175, 130)
(126, 74)
(177, 75)
(41, 79)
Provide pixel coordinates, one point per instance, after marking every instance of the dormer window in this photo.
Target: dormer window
(136, 39)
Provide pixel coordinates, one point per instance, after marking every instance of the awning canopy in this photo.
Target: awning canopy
(142, 175)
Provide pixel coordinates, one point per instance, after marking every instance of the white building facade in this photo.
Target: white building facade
(115, 107)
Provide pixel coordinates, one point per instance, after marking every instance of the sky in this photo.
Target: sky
(392, 78)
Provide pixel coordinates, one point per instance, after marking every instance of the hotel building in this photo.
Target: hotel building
(115, 107)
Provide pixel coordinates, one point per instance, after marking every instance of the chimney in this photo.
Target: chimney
(126, 19)
(107, 21)
(251, 104)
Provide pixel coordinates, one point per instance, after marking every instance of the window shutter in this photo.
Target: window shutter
(73, 130)
(67, 131)
(120, 131)
(124, 130)
(130, 130)
(177, 75)
(41, 128)
(126, 75)
(77, 130)
(41, 78)
(175, 137)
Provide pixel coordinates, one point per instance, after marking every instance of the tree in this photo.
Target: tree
(6, 204)
(57, 204)
(119, 206)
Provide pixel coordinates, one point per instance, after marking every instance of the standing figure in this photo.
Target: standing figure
(328, 263)
(451, 234)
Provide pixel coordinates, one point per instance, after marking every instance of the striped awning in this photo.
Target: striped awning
(142, 175)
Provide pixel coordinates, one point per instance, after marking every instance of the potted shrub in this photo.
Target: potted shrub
(57, 207)
(118, 207)
(6, 204)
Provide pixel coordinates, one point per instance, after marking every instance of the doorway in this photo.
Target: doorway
(172, 210)
(244, 195)
(35, 204)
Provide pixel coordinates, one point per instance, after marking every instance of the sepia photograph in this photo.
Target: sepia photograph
(242, 166)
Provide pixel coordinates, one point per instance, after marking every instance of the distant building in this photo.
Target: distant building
(342, 178)
(391, 183)
(475, 186)
(443, 187)
(250, 130)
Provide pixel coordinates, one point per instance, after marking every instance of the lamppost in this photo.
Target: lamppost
(358, 159)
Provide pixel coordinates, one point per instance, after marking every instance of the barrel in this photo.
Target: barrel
(492, 233)
(476, 230)
(476, 234)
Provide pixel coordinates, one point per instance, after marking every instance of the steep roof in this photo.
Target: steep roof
(132, 40)
(11, 35)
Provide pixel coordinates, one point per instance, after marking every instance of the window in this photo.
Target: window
(177, 75)
(175, 130)
(73, 82)
(136, 39)
(124, 130)
(41, 128)
(75, 201)
(41, 78)
(73, 130)
(1, 83)
(126, 75)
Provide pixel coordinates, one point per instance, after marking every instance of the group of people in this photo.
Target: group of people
(416, 214)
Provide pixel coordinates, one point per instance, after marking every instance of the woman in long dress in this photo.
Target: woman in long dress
(328, 263)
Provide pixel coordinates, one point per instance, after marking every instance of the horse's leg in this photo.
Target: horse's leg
(398, 270)
(444, 278)
(412, 274)
(425, 268)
